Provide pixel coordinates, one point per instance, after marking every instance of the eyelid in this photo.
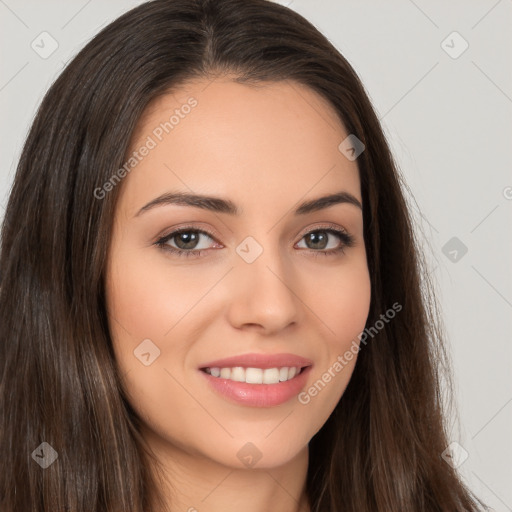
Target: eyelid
(346, 238)
(324, 225)
(194, 227)
(177, 230)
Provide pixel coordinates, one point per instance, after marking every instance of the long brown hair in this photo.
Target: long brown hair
(381, 448)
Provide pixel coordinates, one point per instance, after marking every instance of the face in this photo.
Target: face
(262, 277)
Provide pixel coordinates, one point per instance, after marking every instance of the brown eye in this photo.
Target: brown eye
(184, 242)
(319, 239)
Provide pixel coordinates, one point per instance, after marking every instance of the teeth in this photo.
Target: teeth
(237, 374)
(270, 376)
(255, 375)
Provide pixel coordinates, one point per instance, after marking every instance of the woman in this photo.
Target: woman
(210, 287)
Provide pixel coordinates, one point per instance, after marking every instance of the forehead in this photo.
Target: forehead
(273, 139)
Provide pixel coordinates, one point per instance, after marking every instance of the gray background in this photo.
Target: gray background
(448, 119)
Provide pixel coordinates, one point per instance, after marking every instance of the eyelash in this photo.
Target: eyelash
(347, 241)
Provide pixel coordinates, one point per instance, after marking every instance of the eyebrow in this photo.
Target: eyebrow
(219, 205)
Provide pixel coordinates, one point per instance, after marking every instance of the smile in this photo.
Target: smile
(255, 375)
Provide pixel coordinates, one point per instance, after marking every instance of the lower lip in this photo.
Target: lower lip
(258, 395)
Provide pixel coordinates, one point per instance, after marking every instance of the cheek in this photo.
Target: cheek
(141, 307)
(342, 302)
(343, 311)
(148, 296)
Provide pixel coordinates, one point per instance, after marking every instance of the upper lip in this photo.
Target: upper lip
(259, 361)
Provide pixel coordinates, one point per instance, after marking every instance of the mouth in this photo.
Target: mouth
(253, 375)
(257, 380)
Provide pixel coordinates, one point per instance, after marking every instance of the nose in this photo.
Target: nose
(263, 295)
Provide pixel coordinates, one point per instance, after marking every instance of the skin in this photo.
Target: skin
(266, 148)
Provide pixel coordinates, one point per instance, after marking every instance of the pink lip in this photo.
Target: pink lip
(258, 395)
(259, 361)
